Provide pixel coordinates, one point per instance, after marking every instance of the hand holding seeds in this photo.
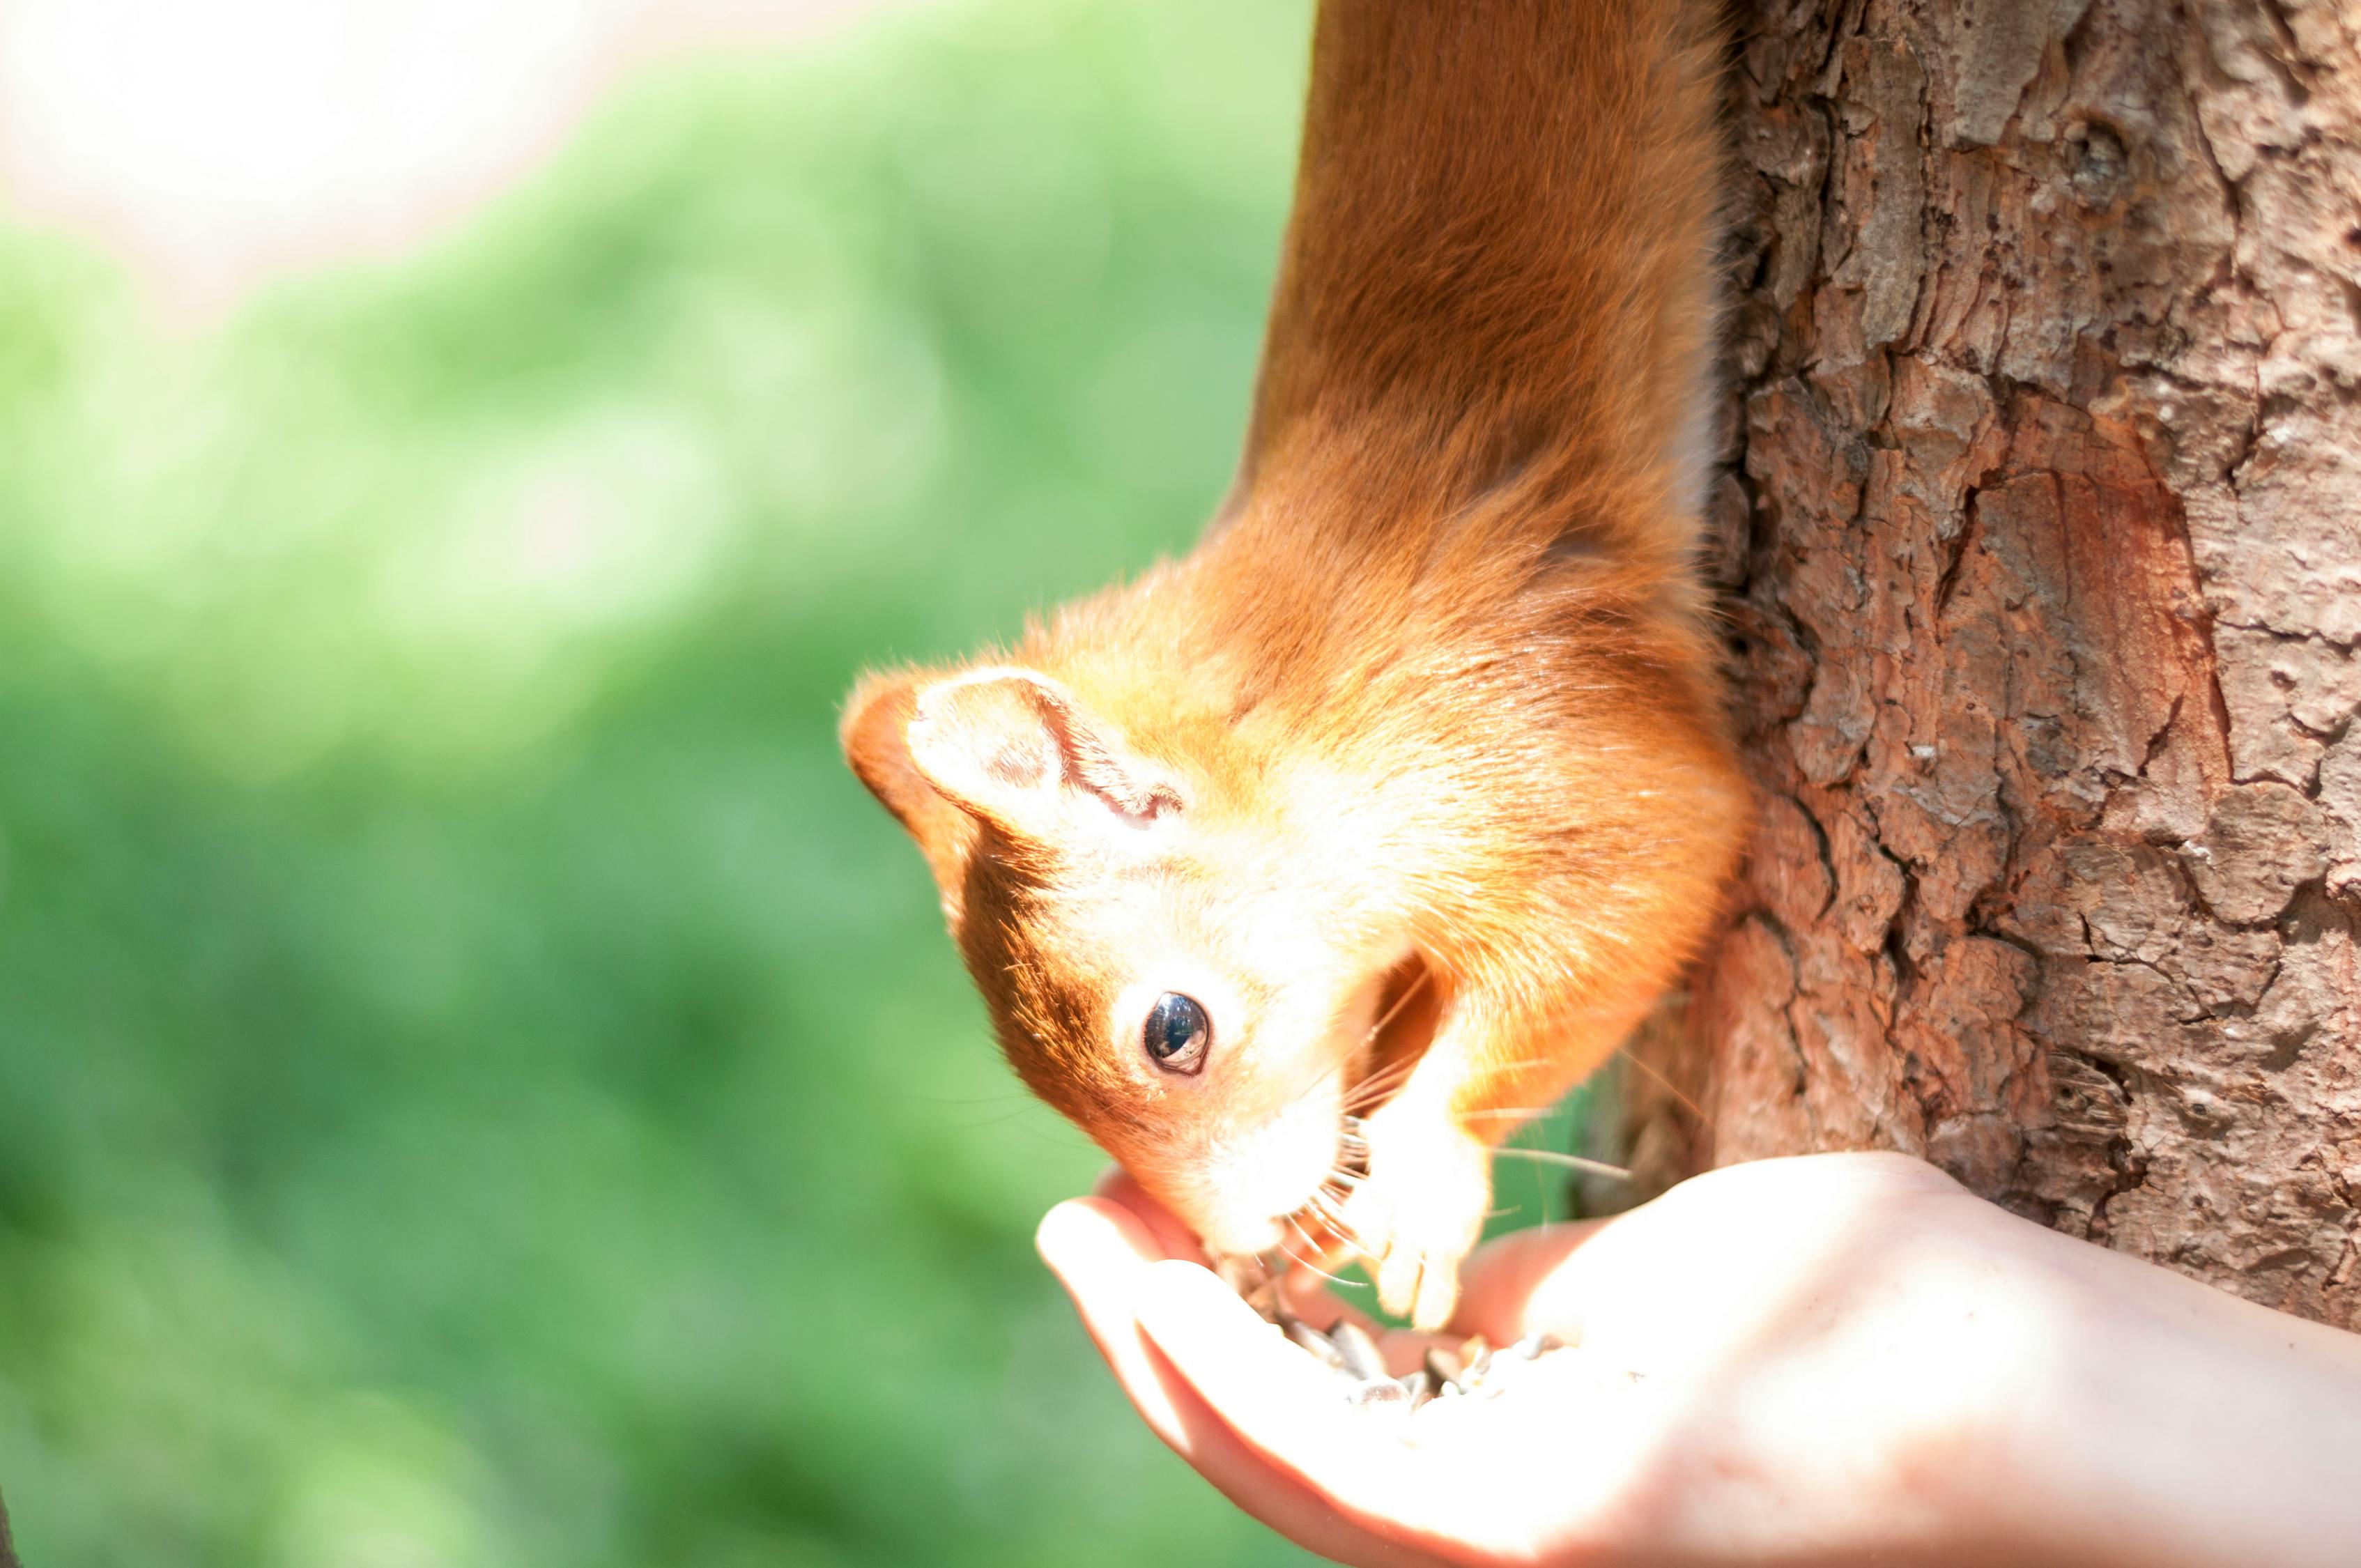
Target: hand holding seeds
(1838, 1358)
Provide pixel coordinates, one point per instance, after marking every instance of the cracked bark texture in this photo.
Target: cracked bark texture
(2041, 531)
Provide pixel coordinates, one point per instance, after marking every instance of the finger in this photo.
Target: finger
(1118, 1185)
(1285, 1408)
(1102, 1252)
(1498, 1281)
(1278, 1496)
(1195, 1319)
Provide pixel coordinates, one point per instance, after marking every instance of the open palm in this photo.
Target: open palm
(1785, 1362)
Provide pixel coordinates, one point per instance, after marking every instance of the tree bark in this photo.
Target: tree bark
(2041, 529)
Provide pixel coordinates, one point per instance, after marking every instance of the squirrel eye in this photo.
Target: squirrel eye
(1177, 1033)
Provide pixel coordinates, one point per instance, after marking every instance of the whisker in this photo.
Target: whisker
(1383, 1079)
(978, 1126)
(1335, 1218)
(1424, 974)
(1392, 1072)
(1329, 1204)
(1522, 1062)
(1368, 1098)
(1306, 1263)
(1662, 1081)
(1378, 1083)
(1320, 1074)
(1333, 1278)
(1570, 1161)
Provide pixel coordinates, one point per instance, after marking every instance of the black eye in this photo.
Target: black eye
(1177, 1033)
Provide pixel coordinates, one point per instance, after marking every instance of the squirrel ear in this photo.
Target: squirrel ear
(876, 734)
(1014, 749)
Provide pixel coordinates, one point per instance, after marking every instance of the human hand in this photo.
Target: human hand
(1831, 1359)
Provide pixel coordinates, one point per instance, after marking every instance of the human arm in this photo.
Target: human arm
(1841, 1358)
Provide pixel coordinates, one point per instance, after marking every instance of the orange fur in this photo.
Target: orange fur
(1436, 693)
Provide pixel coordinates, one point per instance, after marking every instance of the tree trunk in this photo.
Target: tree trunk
(2042, 529)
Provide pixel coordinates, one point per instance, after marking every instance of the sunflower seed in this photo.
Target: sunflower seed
(1359, 1350)
(1313, 1340)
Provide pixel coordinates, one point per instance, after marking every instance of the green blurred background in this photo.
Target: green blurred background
(479, 1083)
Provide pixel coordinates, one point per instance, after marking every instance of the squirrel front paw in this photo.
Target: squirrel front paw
(1418, 1211)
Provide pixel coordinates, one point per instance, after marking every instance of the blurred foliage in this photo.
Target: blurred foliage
(479, 1084)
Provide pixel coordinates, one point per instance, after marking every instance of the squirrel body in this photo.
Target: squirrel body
(1299, 871)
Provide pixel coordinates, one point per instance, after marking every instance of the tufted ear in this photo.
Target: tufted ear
(876, 734)
(1012, 748)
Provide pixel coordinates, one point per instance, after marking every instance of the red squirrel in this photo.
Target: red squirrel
(1299, 871)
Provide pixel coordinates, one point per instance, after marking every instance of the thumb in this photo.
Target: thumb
(1499, 1282)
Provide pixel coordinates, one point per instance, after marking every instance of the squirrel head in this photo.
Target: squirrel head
(1183, 968)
